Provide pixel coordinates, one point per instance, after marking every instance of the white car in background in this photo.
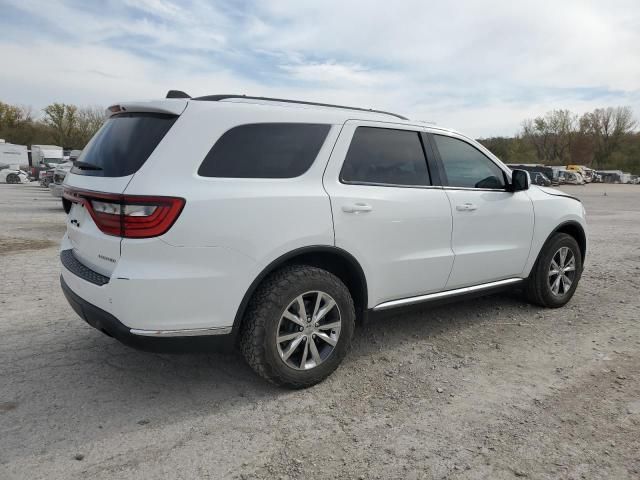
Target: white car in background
(274, 224)
(13, 175)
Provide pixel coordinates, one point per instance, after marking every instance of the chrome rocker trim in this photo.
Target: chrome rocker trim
(191, 332)
(445, 294)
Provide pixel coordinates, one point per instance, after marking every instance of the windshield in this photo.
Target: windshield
(123, 144)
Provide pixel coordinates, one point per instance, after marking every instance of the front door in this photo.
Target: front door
(492, 228)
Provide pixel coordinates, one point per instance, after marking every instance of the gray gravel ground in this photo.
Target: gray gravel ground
(488, 388)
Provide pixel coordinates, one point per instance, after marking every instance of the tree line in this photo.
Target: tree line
(604, 139)
(66, 125)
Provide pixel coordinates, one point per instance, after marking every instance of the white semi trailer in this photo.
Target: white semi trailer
(14, 156)
(45, 157)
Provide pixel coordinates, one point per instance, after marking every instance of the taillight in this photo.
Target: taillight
(128, 216)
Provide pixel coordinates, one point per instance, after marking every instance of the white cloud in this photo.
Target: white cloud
(333, 73)
(478, 66)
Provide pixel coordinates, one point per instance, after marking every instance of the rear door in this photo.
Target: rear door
(492, 227)
(386, 211)
(107, 165)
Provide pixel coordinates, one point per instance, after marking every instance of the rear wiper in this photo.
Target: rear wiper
(86, 166)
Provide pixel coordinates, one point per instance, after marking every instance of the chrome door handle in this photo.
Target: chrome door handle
(466, 207)
(357, 208)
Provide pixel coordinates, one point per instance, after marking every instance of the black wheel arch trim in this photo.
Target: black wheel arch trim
(287, 257)
(582, 242)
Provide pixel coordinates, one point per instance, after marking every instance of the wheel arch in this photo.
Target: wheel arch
(576, 230)
(572, 228)
(333, 259)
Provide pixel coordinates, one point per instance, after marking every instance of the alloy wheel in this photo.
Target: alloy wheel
(308, 330)
(562, 271)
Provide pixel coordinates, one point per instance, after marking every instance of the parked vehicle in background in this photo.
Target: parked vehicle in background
(555, 175)
(586, 172)
(46, 177)
(532, 168)
(13, 175)
(45, 157)
(614, 176)
(571, 178)
(538, 178)
(288, 220)
(60, 172)
(14, 155)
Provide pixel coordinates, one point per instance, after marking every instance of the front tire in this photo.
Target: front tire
(298, 326)
(555, 276)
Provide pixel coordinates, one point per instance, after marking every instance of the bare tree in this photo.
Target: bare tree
(88, 121)
(551, 135)
(607, 127)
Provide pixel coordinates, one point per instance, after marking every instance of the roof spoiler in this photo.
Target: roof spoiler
(177, 94)
(171, 107)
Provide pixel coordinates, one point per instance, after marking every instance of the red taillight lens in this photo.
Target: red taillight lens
(128, 216)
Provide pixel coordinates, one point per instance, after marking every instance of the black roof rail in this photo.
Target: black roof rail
(217, 98)
(177, 94)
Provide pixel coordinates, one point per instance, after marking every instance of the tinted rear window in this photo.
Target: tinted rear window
(385, 157)
(123, 144)
(265, 150)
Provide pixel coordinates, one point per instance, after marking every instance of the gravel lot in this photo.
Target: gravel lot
(488, 388)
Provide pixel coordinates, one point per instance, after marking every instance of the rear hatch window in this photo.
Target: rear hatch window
(123, 144)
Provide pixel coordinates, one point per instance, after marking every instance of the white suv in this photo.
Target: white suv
(275, 224)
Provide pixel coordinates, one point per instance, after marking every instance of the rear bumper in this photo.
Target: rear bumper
(111, 326)
(159, 290)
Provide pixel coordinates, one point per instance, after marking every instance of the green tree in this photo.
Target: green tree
(62, 119)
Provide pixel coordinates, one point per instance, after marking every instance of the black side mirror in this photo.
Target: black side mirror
(520, 180)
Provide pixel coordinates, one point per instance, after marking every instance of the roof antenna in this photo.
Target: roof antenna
(177, 94)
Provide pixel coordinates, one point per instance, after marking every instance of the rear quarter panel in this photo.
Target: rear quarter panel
(257, 219)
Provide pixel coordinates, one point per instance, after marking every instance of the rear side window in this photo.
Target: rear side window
(265, 150)
(385, 156)
(123, 144)
(466, 166)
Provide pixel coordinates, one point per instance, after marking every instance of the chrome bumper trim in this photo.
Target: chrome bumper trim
(447, 293)
(191, 332)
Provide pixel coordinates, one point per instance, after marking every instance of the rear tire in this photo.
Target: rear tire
(555, 275)
(13, 178)
(298, 346)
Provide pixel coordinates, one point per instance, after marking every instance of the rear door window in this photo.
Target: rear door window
(384, 156)
(265, 150)
(123, 144)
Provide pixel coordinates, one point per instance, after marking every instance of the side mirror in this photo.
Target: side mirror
(520, 180)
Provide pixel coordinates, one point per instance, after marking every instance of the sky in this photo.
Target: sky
(480, 67)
